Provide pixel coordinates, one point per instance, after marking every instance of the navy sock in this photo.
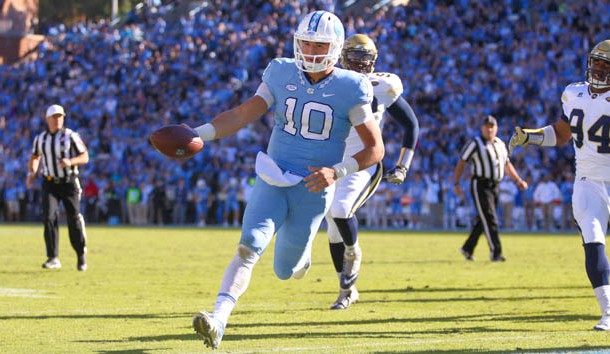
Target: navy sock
(596, 263)
(336, 252)
(348, 228)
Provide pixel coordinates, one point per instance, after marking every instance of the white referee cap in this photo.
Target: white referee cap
(55, 109)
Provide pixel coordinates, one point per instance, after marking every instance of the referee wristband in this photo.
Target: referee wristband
(347, 166)
(206, 132)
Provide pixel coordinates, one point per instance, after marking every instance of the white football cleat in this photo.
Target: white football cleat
(602, 294)
(345, 299)
(52, 263)
(604, 323)
(209, 328)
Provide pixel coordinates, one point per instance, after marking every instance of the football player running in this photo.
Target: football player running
(315, 104)
(586, 119)
(352, 191)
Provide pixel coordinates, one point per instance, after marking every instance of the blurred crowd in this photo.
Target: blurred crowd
(459, 60)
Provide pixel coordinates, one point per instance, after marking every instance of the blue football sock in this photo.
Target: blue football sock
(596, 263)
(348, 228)
(336, 252)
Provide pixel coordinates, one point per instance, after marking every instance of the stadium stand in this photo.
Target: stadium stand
(459, 60)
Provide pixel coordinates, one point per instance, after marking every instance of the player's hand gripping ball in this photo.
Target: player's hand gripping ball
(176, 141)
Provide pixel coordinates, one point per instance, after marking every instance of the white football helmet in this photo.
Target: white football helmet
(598, 66)
(319, 27)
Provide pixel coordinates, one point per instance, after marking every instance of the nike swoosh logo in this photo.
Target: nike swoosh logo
(327, 94)
(347, 281)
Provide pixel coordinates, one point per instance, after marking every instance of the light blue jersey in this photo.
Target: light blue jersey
(311, 120)
(311, 125)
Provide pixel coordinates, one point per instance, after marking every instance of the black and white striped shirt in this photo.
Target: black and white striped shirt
(65, 143)
(488, 159)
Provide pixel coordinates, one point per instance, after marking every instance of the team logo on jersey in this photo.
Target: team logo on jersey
(608, 99)
(291, 87)
(310, 91)
(374, 83)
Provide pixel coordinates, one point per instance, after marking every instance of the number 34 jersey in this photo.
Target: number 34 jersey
(589, 117)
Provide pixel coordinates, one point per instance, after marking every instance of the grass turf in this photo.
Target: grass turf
(417, 292)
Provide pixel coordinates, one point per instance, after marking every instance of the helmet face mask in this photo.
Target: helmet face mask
(359, 54)
(312, 62)
(361, 61)
(598, 66)
(318, 27)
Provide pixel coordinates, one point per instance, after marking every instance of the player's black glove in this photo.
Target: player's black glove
(396, 175)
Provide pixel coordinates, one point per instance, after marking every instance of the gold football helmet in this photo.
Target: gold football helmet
(359, 54)
(598, 66)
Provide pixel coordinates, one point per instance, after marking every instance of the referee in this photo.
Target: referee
(489, 159)
(61, 151)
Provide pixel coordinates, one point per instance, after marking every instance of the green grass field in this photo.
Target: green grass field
(418, 294)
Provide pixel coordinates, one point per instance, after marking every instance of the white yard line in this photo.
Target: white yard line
(29, 293)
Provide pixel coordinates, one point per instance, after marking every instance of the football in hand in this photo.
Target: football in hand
(176, 141)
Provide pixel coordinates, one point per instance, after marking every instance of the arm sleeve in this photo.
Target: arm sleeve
(269, 75)
(362, 110)
(264, 92)
(402, 112)
(360, 114)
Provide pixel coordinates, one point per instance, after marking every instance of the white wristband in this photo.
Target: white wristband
(543, 136)
(206, 132)
(550, 139)
(347, 166)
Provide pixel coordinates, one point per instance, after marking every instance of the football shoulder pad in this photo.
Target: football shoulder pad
(575, 90)
(387, 87)
(278, 70)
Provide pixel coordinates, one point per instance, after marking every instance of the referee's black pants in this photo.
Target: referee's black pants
(485, 196)
(68, 193)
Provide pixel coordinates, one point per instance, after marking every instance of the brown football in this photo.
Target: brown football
(176, 141)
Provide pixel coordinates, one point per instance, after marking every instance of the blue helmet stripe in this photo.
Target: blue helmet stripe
(315, 21)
